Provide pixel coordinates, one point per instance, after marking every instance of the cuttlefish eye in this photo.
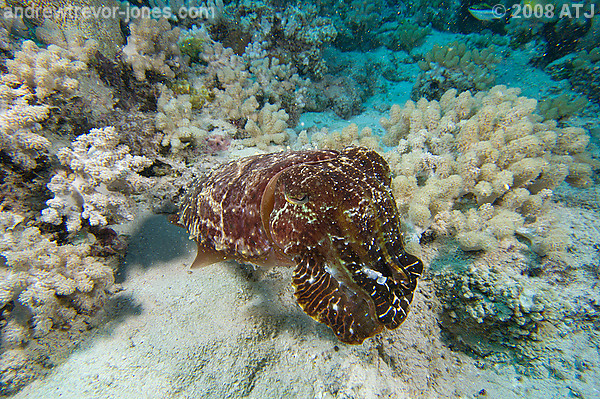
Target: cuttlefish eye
(297, 199)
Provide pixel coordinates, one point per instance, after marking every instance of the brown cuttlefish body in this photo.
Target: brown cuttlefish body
(329, 214)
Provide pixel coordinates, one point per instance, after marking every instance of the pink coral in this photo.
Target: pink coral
(216, 143)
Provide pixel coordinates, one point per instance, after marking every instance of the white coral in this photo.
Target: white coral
(46, 70)
(268, 126)
(485, 147)
(102, 175)
(185, 126)
(52, 284)
(152, 46)
(19, 123)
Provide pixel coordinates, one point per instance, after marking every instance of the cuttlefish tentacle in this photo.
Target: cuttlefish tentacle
(324, 296)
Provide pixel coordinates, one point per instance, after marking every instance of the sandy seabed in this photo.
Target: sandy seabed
(227, 330)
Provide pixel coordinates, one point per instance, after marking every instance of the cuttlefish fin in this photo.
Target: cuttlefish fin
(207, 256)
(273, 258)
(174, 219)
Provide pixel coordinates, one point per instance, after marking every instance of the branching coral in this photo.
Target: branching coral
(349, 136)
(455, 66)
(98, 181)
(183, 125)
(152, 46)
(478, 166)
(44, 288)
(232, 88)
(227, 76)
(295, 35)
(237, 83)
(257, 93)
(280, 84)
(175, 120)
(46, 70)
(403, 35)
(19, 123)
(268, 126)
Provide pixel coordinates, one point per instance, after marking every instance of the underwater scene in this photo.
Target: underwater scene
(299, 199)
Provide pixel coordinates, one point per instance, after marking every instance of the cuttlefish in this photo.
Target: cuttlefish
(330, 215)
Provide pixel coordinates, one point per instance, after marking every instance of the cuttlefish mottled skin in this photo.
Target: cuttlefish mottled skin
(329, 214)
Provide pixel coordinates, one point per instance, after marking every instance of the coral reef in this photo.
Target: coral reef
(355, 23)
(230, 97)
(295, 35)
(227, 76)
(356, 78)
(137, 131)
(402, 35)
(128, 93)
(303, 29)
(152, 47)
(555, 37)
(500, 305)
(494, 296)
(46, 290)
(96, 185)
(240, 86)
(523, 30)
(442, 15)
(349, 136)
(82, 48)
(268, 126)
(476, 168)
(46, 70)
(581, 71)
(75, 95)
(363, 25)
(481, 167)
(185, 127)
(454, 66)
(341, 94)
(69, 21)
(280, 84)
(20, 124)
(174, 118)
(562, 106)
